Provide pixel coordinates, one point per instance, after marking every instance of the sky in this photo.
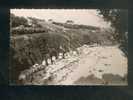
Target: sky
(79, 16)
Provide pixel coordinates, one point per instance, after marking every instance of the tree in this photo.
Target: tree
(69, 21)
(35, 22)
(119, 21)
(50, 20)
(17, 21)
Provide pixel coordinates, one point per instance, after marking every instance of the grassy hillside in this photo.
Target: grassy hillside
(32, 44)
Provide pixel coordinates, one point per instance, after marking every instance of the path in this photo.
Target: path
(92, 61)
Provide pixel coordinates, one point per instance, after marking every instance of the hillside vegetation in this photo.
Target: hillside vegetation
(40, 40)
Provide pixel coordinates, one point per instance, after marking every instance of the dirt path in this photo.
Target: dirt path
(93, 64)
(97, 62)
